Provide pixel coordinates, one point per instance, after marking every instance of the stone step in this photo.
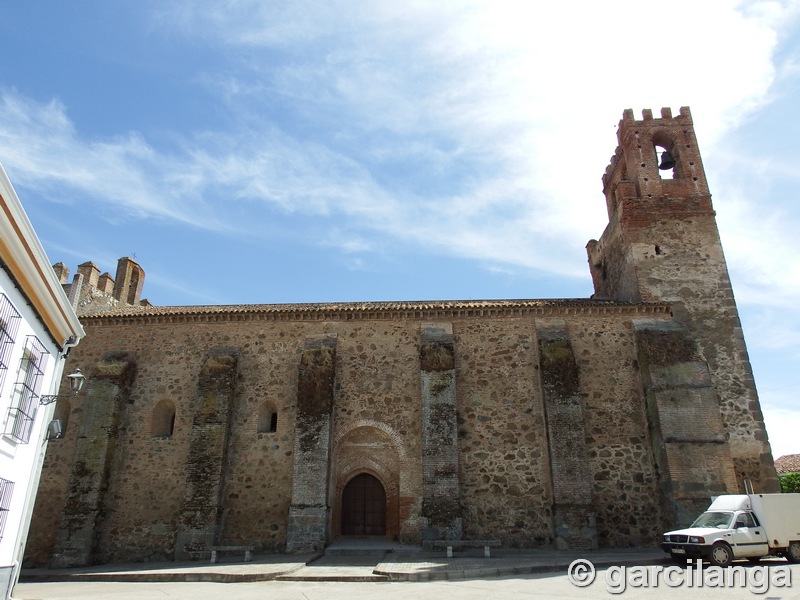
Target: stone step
(344, 576)
(376, 552)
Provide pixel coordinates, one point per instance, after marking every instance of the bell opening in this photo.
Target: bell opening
(666, 163)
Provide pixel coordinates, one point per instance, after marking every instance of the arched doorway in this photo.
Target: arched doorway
(364, 506)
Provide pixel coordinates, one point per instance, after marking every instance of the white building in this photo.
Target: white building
(38, 326)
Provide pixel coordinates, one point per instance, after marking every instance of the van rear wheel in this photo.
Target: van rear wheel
(721, 555)
(793, 552)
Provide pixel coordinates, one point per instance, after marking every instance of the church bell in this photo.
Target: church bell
(667, 162)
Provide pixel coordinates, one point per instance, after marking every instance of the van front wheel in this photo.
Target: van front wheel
(721, 555)
(793, 552)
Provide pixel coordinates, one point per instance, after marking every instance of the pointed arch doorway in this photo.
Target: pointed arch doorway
(364, 506)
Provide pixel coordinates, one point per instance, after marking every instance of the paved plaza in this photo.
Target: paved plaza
(353, 560)
(354, 571)
(534, 586)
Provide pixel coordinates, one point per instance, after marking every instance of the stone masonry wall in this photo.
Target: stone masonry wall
(377, 418)
(504, 476)
(441, 494)
(705, 294)
(309, 512)
(689, 437)
(501, 433)
(259, 474)
(621, 467)
(200, 521)
(573, 510)
(78, 538)
(150, 480)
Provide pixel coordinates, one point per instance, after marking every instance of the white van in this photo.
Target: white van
(750, 526)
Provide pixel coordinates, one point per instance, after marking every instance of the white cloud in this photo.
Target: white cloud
(782, 427)
(480, 129)
(471, 129)
(41, 145)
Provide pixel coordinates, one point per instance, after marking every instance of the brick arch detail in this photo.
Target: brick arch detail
(359, 423)
(390, 472)
(357, 467)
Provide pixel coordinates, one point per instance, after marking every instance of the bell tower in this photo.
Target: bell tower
(662, 245)
(657, 223)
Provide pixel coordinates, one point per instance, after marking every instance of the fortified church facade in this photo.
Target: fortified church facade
(576, 423)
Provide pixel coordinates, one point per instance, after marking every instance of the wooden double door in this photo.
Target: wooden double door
(364, 506)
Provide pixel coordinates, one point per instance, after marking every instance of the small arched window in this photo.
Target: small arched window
(163, 419)
(267, 418)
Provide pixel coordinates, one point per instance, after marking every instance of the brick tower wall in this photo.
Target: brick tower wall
(662, 244)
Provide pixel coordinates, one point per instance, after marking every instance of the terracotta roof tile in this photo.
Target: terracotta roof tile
(368, 307)
(789, 463)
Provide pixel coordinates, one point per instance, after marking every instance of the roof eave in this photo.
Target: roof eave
(25, 260)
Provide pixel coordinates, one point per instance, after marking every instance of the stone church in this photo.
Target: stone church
(573, 423)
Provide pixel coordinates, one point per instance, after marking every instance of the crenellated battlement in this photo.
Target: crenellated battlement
(637, 168)
(91, 291)
(647, 114)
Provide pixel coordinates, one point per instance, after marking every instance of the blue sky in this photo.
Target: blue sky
(254, 151)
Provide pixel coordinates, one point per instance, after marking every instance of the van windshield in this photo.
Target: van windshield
(720, 520)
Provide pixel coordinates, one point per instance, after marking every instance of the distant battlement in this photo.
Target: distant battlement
(90, 291)
(647, 113)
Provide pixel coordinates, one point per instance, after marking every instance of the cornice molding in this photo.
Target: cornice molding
(377, 311)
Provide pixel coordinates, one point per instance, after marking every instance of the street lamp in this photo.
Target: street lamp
(76, 380)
